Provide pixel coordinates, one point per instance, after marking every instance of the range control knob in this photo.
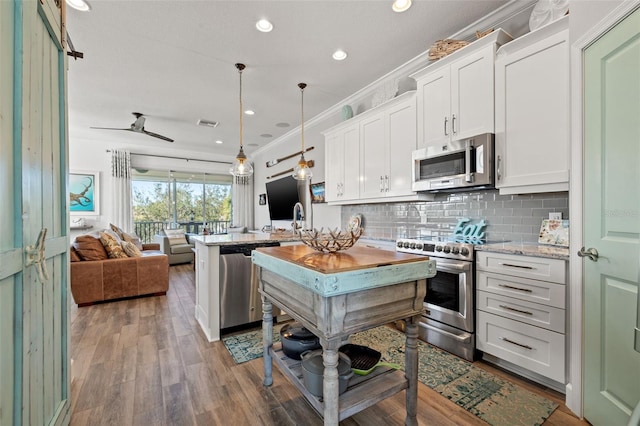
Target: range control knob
(399, 244)
(438, 248)
(412, 246)
(455, 250)
(406, 244)
(447, 249)
(464, 251)
(419, 246)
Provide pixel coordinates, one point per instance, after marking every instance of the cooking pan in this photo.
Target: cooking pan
(364, 359)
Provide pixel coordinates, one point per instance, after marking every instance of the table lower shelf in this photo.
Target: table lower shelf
(362, 391)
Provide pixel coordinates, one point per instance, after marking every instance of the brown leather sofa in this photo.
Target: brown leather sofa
(108, 279)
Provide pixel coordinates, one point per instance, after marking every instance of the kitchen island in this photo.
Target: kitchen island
(207, 267)
(334, 296)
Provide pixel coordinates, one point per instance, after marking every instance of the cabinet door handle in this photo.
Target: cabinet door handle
(453, 124)
(445, 126)
(510, 287)
(516, 343)
(499, 173)
(509, 308)
(386, 183)
(517, 266)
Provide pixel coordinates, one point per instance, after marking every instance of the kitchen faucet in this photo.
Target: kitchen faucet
(298, 209)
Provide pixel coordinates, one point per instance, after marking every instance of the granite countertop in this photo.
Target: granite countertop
(527, 249)
(236, 238)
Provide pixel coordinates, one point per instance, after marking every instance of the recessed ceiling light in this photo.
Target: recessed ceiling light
(249, 112)
(266, 135)
(218, 142)
(80, 5)
(264, 26)
(207, 123)
(401, 5)
(283, 124)
(339, 55)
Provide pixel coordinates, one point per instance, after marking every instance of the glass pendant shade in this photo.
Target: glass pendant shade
(302, 170)
(241, 166)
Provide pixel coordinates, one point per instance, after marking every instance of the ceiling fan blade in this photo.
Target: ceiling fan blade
(155, 135)
(111, 128)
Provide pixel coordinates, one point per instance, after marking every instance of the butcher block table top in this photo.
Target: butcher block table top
(356, 269)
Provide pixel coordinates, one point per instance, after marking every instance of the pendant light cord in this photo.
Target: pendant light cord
(240, 68)
(302, 86)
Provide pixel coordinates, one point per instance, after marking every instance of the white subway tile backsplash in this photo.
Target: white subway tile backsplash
(508, 217)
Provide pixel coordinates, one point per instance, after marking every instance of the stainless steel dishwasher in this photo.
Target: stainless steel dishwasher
(240, 301)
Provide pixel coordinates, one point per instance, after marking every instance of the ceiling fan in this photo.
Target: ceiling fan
(138, 127)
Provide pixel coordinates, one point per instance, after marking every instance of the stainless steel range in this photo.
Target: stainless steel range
(449, 305)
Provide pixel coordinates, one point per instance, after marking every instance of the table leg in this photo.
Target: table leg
(267, 340)
(411, 370)
(330, 383)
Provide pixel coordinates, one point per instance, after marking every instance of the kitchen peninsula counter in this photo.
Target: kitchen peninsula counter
(208, 268)
(527, 249)
(334, 296)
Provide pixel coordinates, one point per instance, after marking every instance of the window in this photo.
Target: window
(192, 201)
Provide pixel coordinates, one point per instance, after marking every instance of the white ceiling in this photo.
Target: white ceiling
(174, 62)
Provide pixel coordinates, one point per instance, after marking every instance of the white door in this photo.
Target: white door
(434, 108)
(374, 156)
(34, 385)
(611, 223)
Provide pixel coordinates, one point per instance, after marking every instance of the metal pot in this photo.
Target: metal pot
(296, 339)
(313, 372)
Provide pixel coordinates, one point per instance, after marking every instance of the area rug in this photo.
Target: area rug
(491, 398)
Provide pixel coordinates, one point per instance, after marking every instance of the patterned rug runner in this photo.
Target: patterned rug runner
(491, 398)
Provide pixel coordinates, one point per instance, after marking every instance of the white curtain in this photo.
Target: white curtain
(242, 201)
(122, 215)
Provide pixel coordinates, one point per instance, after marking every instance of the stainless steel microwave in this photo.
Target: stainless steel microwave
(457, 165)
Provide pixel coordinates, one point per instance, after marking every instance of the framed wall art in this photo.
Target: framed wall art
(84, 195)
(317, 192)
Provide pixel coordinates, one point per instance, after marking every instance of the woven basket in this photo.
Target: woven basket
(442, 48)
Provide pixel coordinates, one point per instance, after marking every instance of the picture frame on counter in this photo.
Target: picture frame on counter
(317, 192)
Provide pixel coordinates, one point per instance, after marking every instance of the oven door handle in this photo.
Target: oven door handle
(461, 339)
(453, 267)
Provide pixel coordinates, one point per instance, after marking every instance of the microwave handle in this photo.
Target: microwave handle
(467, 161)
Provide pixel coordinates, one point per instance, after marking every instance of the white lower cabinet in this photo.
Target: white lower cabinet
(521, 311)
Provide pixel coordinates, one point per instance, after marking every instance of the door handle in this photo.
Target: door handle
(591, 253)
(445, 126)
(36, 256)
(453, 124)
(498, 168)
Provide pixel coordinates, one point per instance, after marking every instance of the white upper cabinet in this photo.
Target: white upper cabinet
(455, 94)
(376, 149)
(342, 163)
(533, 112)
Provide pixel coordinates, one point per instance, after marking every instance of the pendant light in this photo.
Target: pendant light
(302, 171)
(241, 166)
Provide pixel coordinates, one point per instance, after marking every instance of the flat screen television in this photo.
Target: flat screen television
(282, 195)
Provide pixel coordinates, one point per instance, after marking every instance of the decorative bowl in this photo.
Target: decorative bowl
(332, 241)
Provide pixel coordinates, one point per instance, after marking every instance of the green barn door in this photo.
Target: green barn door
(34, 389)
(612, 223)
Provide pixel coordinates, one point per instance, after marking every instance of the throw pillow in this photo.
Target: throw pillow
(130, 249)
(132, 238)
(175, 236)
(74, 256)
(113, 247)
(113, 233)
(90, 248)
(117, 230)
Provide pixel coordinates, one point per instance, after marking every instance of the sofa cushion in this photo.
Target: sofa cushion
(112, 246)
(130, 249)
(175, 236)
(90, 248)
(181, 248)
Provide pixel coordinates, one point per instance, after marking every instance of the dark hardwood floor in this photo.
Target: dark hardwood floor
(145, 362)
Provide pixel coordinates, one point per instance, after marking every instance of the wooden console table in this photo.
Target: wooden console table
(335, 296)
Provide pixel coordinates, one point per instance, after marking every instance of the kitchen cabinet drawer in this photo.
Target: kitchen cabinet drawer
(536, 349)
(538, 268)
(530, 313)
(535, 291)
